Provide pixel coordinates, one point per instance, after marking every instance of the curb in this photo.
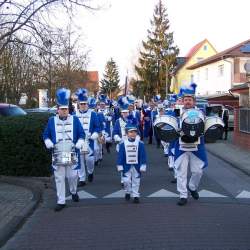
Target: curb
(17, 221)
(232, 164)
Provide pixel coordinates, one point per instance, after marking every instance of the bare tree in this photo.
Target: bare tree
(19, 19)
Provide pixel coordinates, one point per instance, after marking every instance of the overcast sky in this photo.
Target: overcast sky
(118, 29)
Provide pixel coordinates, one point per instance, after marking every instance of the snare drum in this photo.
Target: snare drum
(213, 128)
(64, 154)
(166, 127)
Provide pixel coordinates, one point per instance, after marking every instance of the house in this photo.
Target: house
(183, 75)
(241, 135)
(90, 81)
(222, 71)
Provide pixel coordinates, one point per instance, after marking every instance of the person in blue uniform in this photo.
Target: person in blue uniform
(119, 132)
(131, 162)
(61, 133)
(149, 117)
(189, 154)
(91, 127)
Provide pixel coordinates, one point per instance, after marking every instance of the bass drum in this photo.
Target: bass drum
(166, 128)
(192, 123)
(214, 127)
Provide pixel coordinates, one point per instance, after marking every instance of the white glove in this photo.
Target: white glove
(94, 136)
(109, 118)
(117, 138)
(119, 168)
(79, 143)
(143, 168)
(49, 144)
(85, 146)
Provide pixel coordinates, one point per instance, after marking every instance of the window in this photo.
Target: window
(205, 47)
(206, 74)
(221, 70)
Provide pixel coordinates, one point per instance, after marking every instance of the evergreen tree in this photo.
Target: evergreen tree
(158, 58)
(110, 81)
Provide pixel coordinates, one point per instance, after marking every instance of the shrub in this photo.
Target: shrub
(22, 151)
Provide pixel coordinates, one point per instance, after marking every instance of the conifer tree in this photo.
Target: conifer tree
(158, 57)
(110, 81)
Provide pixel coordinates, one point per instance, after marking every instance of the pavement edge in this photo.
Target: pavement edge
(228, 161)
(17, 221)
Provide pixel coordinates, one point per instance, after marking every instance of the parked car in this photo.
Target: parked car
(11, 110)
(52, 110)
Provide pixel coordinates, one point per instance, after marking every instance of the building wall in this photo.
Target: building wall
(184, 76)
(214, 78)
(239, 138)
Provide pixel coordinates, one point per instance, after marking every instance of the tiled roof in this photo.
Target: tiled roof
(231, 52)
(192, 52)
(194, 49)
(93, 76)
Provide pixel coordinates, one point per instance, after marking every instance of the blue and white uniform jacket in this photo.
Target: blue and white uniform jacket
(131, 154)
(200, 152)
(91, 126)
(71, 126)
(119, 132)
(106, 119)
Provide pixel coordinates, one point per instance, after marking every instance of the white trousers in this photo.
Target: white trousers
(97, 150)
(131, 182)
(87, 162)
(181, 165)
(60, 174)
(171, 164)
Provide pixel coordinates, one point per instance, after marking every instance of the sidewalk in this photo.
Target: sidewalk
(18, 199)
(230, 153)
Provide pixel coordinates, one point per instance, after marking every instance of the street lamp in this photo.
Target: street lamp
(48, 44)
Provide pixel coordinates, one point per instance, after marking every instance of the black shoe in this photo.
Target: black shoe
(81, 183)
(182, 202)
(96, 163)
(136, 200)
(75, 197)
(194, 194)
(174, 181)
(170, 169)
(90, 177)
(122, 184)
(127, 197)
(59, 207)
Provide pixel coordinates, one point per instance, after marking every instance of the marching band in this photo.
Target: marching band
(77, 141)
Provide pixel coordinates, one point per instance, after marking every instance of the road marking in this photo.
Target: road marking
(244, 195)
(83, 195)
(209, 194)
(163, 193)
(117, 194)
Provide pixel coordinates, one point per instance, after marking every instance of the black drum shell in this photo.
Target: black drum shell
(214, 133)
(166, 132)
(198, 128)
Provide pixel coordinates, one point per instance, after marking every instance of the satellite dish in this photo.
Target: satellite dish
(247, 66)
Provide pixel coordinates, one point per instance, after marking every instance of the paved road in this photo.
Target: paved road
(103, 220)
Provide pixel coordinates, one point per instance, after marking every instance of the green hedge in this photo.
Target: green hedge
(22, 151)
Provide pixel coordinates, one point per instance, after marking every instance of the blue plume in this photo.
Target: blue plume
(91, 102)
(123, 102)
(102, 98)
(82, 95)
(62, 97)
